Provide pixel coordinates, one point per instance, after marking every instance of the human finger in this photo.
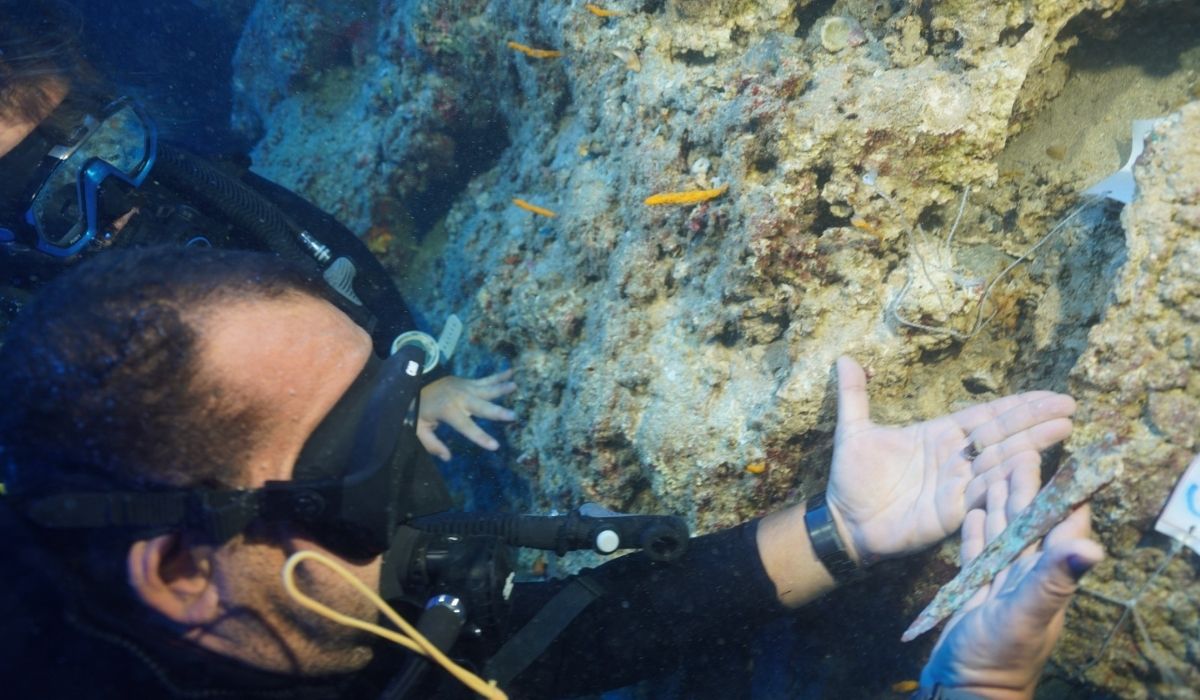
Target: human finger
(995, 444)
(489, 410)
(997, 517)
(977, 487)
(853, 403)
(1076, 526)
(972, 536)
(497, 378)
(1046, 404)
(493, 391)
(431, 443)
(463, 424)
(1023, 485)
(1045, 591)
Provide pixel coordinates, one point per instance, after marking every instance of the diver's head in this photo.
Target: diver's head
(40, 62)
(177, 372)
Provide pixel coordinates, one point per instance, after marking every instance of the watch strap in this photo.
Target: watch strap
(827, 544)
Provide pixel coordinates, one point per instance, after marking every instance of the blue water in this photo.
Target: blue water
(176, 58)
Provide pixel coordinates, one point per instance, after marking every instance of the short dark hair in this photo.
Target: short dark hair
(39, 50)
(102, 384)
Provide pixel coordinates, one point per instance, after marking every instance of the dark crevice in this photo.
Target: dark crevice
(739, 37)
(975, 386)
(729, 334)
(1088, 268)
(807, 15)
(692, 57)
(826, 219)
(823, 173)
(653, 7)
(1152, 38)
(765, 162)
(1013, 35)
(931, 218)
(475, 152)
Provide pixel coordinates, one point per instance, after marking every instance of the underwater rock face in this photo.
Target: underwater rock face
(679, 358)
(1138, 381)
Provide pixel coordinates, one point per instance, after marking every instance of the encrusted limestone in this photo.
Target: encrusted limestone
(661, 350)
(1139, 381)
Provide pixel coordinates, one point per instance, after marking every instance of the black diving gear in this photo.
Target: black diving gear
(363, 486)
(95, 174)
(360, 475)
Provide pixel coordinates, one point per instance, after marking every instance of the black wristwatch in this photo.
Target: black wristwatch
(827, 543)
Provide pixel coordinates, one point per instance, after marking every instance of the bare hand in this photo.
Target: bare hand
(454, 401)
(997, 644)
(898, 490)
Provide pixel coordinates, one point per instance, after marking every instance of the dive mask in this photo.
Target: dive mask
(360, 476)
(73, 159)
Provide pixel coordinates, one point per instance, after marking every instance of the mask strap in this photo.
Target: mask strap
(412, 640)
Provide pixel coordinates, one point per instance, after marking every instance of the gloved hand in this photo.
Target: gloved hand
(996, 646)
(454, 400)
(894, 491)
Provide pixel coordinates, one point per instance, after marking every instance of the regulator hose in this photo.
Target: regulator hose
(211, 189)
(255, 206)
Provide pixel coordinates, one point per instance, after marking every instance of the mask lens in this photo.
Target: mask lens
(114, 147)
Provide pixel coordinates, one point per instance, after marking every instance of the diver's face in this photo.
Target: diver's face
(292, 358)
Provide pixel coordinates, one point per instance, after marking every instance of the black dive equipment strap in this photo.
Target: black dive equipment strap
(467, 554)
(376, 477)
(532, 640)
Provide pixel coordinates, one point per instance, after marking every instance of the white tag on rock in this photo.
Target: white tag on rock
(1181, 518)
(451, 333)
(1120, 185)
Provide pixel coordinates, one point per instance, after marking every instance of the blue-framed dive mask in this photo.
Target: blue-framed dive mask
(74, 160)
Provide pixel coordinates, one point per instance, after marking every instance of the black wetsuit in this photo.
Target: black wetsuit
(650, 618)
(182, 203)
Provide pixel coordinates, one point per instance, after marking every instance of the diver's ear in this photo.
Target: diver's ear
(174, 578)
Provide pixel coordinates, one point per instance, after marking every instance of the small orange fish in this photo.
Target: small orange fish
(532, 52)
(534, 208)
(686, 197)
(600, 11)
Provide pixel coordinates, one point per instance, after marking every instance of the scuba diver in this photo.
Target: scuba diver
(180, 426)
(201, 438)
(82, 172)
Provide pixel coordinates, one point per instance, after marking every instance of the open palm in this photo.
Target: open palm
(896, 490)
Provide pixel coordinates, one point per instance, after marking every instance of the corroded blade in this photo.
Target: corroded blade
(1073, 484)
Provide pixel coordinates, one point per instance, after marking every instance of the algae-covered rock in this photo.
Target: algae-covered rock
(904, 191)
(1139, 380)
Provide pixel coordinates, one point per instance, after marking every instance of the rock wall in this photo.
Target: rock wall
(1139, 382)
(885, 166)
